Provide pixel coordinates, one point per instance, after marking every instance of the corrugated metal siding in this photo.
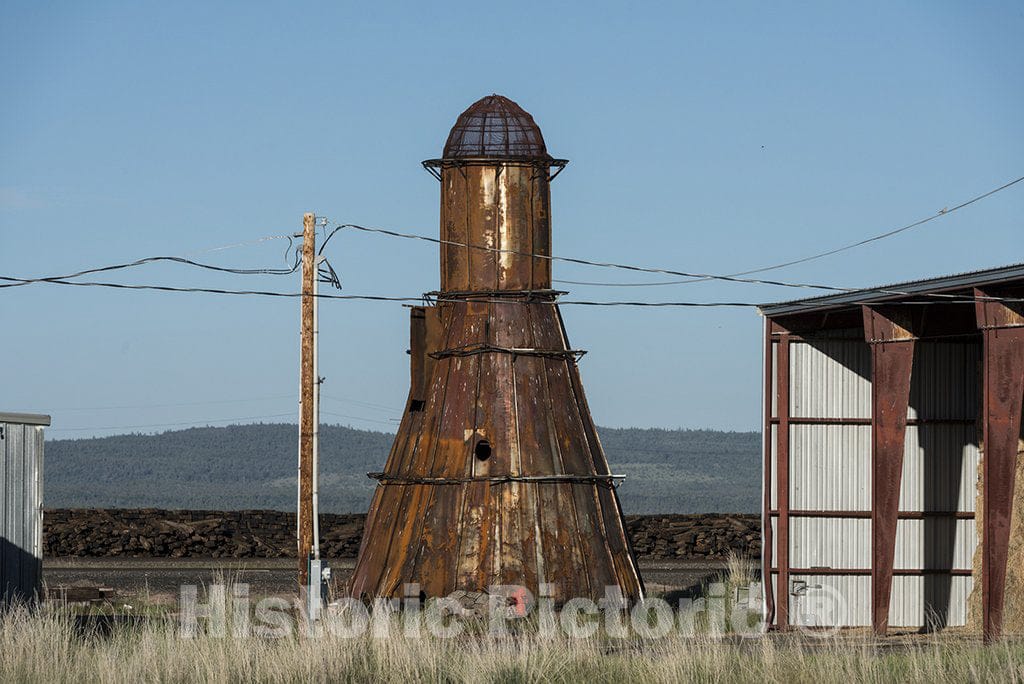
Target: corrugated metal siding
(21, 549)
(830, 470)
(833, 600)
(845, 543)
(830, 467)
(830, 379)
(917, 600)
(830, 543)
(940, 468)
(944, 383)
(932, 600)
(934, 544)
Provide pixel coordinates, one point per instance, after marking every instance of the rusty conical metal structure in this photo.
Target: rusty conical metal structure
(496, 476)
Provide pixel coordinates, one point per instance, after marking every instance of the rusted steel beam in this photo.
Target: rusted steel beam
(1002, 326)
(902, 515)
(767, 535)
(911, 572)
(936, 320)
(804, 420)
(890, 330)
(782, 480)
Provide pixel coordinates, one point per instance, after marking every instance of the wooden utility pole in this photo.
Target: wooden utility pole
(306, 397)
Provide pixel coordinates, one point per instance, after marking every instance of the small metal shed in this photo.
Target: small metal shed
(21, 508)
(892, 431)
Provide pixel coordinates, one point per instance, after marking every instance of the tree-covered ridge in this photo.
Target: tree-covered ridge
(253, 466)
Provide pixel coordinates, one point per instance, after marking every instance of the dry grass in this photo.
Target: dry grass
(46, 647)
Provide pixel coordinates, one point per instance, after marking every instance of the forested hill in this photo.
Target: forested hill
(253, 466)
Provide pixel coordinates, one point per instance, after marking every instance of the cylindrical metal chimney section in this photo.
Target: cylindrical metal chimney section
(495, 195)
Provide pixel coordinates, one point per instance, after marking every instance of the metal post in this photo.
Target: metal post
(1002, 326)
(782, 618)
(767, 557)
(306, 398)
(888, 331)
(316, 411)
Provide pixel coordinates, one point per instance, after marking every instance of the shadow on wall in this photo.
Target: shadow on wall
(947, 403)
(21, 572)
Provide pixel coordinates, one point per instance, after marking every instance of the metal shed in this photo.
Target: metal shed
(889, 412)
(21, 510)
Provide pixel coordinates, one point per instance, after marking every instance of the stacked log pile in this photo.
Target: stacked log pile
(152, 532)
(149, 532)
(710, 535)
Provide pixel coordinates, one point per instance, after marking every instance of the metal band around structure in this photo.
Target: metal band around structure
(384, 478)
(514, 351)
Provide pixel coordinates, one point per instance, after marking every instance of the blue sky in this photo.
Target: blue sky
(708, 137)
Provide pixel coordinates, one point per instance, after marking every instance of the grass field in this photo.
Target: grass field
(47, 647)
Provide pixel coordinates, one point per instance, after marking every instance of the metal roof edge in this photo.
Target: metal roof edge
(912, 287)
(25, 418)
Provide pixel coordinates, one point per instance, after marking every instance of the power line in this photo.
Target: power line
(207, 290)
(391, 421)
(151, 260)
(364, 404)
(812, 257)
(698, 277)
(588, 262)
(881, 236)
(240, 244)
(186, 403)
(425, 299)
(195, 423)
(629, 267)
(201, 423)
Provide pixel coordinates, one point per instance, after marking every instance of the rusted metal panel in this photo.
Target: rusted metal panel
(494, 219)
(417, 358)
(498, 477)
(1002, 326)
(890, 330)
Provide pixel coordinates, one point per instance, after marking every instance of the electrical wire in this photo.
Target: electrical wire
(629, 267)
(697, 277)
(207, 290)
(586, 262)
(881, 236)
(425, 299)
(390, 421)
(194, 423)
(363, 404)
(186, 403)
(151, 260)
(204, 423)
(240, 244)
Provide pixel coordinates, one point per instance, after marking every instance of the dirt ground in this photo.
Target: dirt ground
(159, 579)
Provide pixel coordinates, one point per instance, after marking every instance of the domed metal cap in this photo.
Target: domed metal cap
(495, 126)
